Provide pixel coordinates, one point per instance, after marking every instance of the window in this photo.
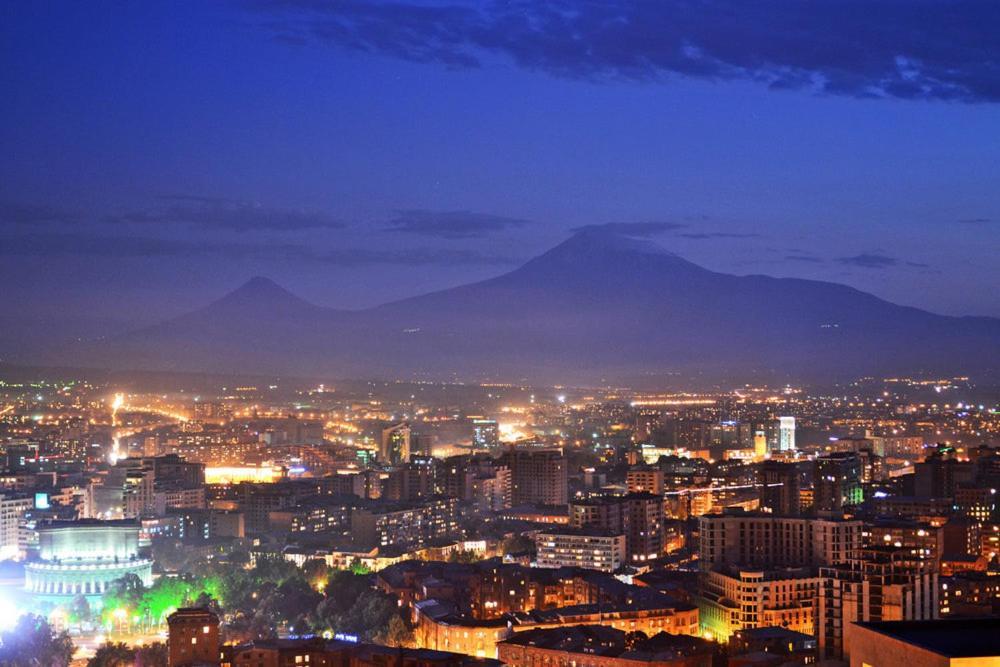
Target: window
(205, 630)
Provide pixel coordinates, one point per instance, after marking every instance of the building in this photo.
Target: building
(638, 516)
(923, 541)
(13, 507)
(601, 646)
(737, 599)
(589, 548)
(538, 476)
(193, 637)
(485, 434)
(645, 479)
(878, 584)
(395, 445)
(837, 483)
(948, 643)
(786, 433)
(193, 640)
(783, 645)
(940, 474)
(779, 488)
(405, 524)
(83, 558)
(766, 541)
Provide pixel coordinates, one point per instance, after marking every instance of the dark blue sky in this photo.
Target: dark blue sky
(157, 154)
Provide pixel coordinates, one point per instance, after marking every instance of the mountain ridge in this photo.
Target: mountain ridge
(598, 305)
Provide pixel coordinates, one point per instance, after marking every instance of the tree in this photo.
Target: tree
(33, 643)
(463, 556)
(396, 633)
(79, 610)
(152, 655)
(518, 544)
(112, 654)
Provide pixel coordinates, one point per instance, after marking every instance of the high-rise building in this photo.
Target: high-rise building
(877, 584)
(836, 483)
(395, 446)
(639, 516)
(538, 476)
(13, 507)
(759, 444)
(485, 434)
(645, 479)
(779, 488)
(767, 541)
(786, 433)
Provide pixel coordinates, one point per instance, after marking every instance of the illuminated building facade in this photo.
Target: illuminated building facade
(485, 434)
(83, 558)
(786, 433)
(13, 507)
(592, 549)
(736, 600)
(395, 447)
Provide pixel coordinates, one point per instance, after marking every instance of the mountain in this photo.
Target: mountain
(598, 306)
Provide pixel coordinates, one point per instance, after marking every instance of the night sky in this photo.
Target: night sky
(154, 155)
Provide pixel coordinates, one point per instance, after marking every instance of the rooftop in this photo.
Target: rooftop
(958, 638)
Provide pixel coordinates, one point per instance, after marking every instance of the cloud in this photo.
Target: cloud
(878, 261)
(451, 224)
(921, 49)
(215, 213)
(974, 221)
(131, 247)
(812, 259)
(699, 236)
(23, 213)
(644, 229)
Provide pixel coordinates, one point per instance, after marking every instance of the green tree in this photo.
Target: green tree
(32, 642)
(79, 610)
(112, 654)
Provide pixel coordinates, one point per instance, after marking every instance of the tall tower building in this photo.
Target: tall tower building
(836, 483)
(538, 476)
(779, 488)
(395, 446)
(786, 433)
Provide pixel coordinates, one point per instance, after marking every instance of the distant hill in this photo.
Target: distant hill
(598, 306)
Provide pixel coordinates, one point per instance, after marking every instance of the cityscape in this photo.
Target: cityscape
(487, 333)
(485, 523)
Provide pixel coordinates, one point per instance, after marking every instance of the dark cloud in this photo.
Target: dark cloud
(918, 49)
(121, 247)
(700, 236)
(811, 259)
(451, 224)
(212, 213)
(23, 213)
(975, 221)
(644, 229)
(878, 261)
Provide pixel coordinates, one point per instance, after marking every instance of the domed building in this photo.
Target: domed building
(83, 558)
